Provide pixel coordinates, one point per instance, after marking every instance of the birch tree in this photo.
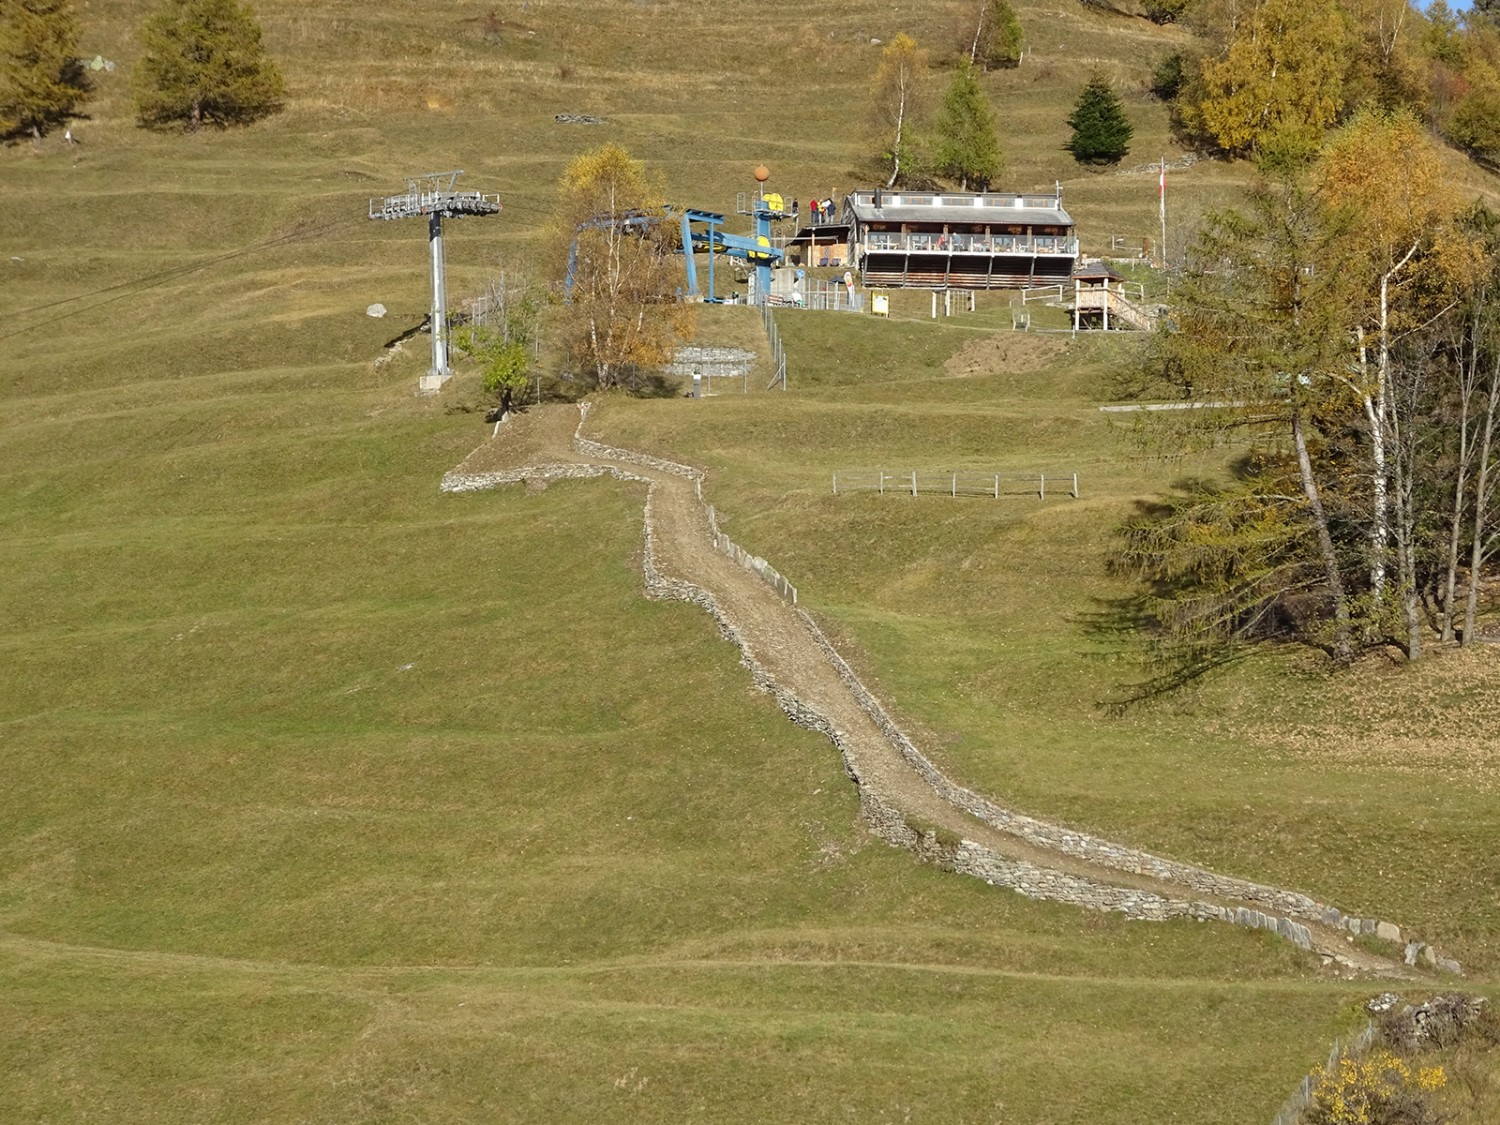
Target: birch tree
(897, 100)
(1405, 261)
(1345, 326)
(618, 256)
(1281, 77)
(990, 34)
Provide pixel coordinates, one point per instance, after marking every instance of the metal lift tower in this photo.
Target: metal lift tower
(433, 195)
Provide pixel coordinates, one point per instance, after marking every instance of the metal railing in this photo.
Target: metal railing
(829, 296)
(1042, 293)
(931, 243)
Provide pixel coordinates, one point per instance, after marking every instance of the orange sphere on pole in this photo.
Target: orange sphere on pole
(762, 174)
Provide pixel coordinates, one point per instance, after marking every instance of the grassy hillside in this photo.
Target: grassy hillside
(331, 798)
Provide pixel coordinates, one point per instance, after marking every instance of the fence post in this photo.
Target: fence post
(955, 484)
(1075, 486)
(997, 486)
(914, 482)
(882, 482)
(1041, 491)
(835, 484)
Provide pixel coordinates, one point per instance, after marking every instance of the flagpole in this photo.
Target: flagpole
(1163, 194)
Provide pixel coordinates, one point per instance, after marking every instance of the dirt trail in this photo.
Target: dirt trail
(899, 790)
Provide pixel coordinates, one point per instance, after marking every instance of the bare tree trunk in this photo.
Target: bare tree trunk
(1342, 649)
(1467, 385)
(1483, 488)
(978, 31)
(1380, 423)
(900, 131)
(1405, 534)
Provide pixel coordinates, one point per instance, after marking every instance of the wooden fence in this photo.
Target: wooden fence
(912, 482)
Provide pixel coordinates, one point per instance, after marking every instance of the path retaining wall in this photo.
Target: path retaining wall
(892, 825)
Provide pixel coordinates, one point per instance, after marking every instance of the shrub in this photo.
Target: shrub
(1380, 1089)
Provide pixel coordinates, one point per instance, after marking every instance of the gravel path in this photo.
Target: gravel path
(904, 798)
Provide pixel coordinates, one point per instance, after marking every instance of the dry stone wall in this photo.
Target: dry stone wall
(1283, 908)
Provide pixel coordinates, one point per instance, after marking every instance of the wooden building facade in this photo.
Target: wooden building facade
(960, 239)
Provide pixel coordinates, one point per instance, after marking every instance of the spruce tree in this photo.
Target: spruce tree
(42, 80)
(968, 145)
(1101, 132)
(204, 61)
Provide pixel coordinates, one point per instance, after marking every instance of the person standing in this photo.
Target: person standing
(812, 211)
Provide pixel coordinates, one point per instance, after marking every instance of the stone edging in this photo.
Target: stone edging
(891, 824)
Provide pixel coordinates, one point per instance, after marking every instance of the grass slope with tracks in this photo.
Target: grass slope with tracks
(332, 798)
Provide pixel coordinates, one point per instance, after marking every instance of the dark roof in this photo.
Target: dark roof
(823, 232)
(1096, 270)
(957, 207)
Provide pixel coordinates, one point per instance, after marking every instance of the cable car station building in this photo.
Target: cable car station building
(960, 239)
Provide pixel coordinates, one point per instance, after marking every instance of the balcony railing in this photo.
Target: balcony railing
(996, 199)
(923, 243)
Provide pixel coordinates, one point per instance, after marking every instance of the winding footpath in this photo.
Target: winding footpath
(905, 799)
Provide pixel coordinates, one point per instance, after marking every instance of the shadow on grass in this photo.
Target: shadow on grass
(1128, 628)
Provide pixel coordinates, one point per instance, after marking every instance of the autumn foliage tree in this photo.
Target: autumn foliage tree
(1280, 78)
(1345, 326)
(620, 318)
(42, 80)
(1405, 260)
(897, 102)
(203, 62)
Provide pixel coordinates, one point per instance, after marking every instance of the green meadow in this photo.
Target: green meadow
(328, 797)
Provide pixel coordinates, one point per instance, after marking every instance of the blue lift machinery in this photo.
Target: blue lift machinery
(704, 231)
(703, 234)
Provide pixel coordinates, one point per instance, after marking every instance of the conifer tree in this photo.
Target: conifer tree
(968, 145)
(204, 61)
(1101, 131)
(42, 80)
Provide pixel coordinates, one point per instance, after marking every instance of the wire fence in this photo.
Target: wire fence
(1296, 1105)
(913, 482)
(778, 353)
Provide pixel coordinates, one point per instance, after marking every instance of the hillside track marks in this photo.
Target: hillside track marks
(790, 658)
